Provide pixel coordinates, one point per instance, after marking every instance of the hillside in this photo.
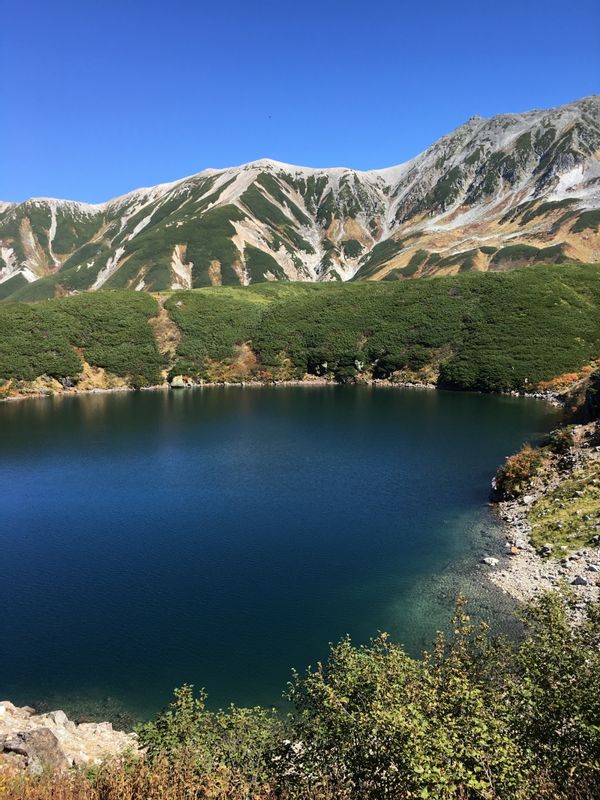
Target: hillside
(486, 332)
(495, 193)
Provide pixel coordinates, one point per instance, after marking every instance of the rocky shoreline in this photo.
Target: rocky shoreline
(35, 742)
(37, 393)
(528, 570)
(41, 390)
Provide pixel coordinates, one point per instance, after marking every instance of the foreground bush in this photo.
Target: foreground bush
(475, 718)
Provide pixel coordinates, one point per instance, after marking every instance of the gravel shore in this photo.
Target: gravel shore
(527, 571)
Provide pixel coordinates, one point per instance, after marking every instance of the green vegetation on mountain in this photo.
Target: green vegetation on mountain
(12, 285)
(108, 329)
(352, 248)
(587, 220)
(378, 255)
(526, 253)
(484, 332)
(260, 263)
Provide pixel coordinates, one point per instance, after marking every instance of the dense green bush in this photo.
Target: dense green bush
(490, 332)
(483, 332)
(239, 741)
(110, 330)
(474, 718)
(561, 440)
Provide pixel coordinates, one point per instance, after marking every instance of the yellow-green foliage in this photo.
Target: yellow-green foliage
(473, 719)
(569, 515)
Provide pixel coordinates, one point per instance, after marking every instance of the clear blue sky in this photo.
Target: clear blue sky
(100, 97)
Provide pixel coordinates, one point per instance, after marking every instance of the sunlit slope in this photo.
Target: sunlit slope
(471, 331)
(495, 193)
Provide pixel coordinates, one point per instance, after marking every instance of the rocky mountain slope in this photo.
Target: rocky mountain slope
(507, 191)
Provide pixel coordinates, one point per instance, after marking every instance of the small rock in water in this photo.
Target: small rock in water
(490, 561)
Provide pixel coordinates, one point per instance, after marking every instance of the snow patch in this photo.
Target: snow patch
(181, 268)
(111, 267)
(141, 225)
(52, 233)
(29, 276)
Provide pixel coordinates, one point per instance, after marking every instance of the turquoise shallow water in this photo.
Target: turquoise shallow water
(223, 536)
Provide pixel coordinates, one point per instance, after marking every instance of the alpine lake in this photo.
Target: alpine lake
(222, 536)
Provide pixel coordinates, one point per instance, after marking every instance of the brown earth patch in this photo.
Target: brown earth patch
(214, 273)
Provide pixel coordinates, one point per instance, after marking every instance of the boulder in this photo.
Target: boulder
(39, 747)
(180, 382)
(34, 741)
(579, 581)
(9, 709)
(490, 561)
(59, 717)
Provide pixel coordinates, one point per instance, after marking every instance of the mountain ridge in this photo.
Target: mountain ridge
(513, 180)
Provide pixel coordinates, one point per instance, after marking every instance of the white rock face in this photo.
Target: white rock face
(76, 745)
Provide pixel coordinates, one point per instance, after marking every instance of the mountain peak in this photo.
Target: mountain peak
(495, 192)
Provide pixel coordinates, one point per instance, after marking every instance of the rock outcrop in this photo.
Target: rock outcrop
(37, 741)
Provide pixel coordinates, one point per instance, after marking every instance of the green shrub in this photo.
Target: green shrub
(475, 718)
(588, 220)
(482, 332)
(239, 742)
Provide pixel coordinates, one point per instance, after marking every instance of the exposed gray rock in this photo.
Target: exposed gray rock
(39, 747)
(579, 581)
(30, 740)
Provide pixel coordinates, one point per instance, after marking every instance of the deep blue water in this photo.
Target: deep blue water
(223, 536)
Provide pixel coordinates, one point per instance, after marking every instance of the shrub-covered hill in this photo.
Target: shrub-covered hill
(485, 332)
(107, 329)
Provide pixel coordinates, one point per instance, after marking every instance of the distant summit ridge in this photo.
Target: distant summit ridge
(494, 193)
